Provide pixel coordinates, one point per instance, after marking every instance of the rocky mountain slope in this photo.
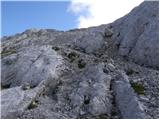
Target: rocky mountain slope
(108, 71)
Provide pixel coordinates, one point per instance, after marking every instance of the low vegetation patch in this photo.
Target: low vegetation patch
(33, 104)
(72, 56)
(5, 87)
(129, 72)
(56, 48)
(26, 87)
(138, 88)
(81, 64)
(5, 53)
(86, 100)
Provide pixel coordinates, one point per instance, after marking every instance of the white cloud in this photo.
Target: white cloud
(97, 12)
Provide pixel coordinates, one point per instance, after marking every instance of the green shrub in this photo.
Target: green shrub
(56, 48)
(5, 87)
(33, 104)
(26, 86)
(129, 72)
(72, 56)
(5, 53)
(138, 88)
(81, 64)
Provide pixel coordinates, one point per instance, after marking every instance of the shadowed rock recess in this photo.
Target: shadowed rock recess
(108, 71)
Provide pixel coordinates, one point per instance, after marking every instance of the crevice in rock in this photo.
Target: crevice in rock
(52, 90)
(5, 86)
(115, 113)
(35, 60)
(86, 100)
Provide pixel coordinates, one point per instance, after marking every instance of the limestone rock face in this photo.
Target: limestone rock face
(108, 71)
(15, 101)
(137, 34)
(126, 99)
(88, 93)
(90, 43)
(30, 65)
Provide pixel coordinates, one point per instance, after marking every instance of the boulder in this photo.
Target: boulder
(31, 65)
(90, 43)
(126, 99)
(88, 93)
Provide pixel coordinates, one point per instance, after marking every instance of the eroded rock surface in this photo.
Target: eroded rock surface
(108, 71)
(138, 38)
(126, 99)
(30, 65)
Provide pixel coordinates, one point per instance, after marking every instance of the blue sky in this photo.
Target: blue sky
(19, 16)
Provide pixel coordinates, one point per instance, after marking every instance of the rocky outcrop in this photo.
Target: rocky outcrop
(136, 34)
(81, 96)
(108, 71)
(31, 65)
(16, 100)
(88, 95)
(126, 99)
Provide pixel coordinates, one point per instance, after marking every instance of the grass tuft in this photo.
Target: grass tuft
(56, 48)
(130, 72)
(33, 104)
(72, 56)
(138, 88)
(81, 64)
(5, 53)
